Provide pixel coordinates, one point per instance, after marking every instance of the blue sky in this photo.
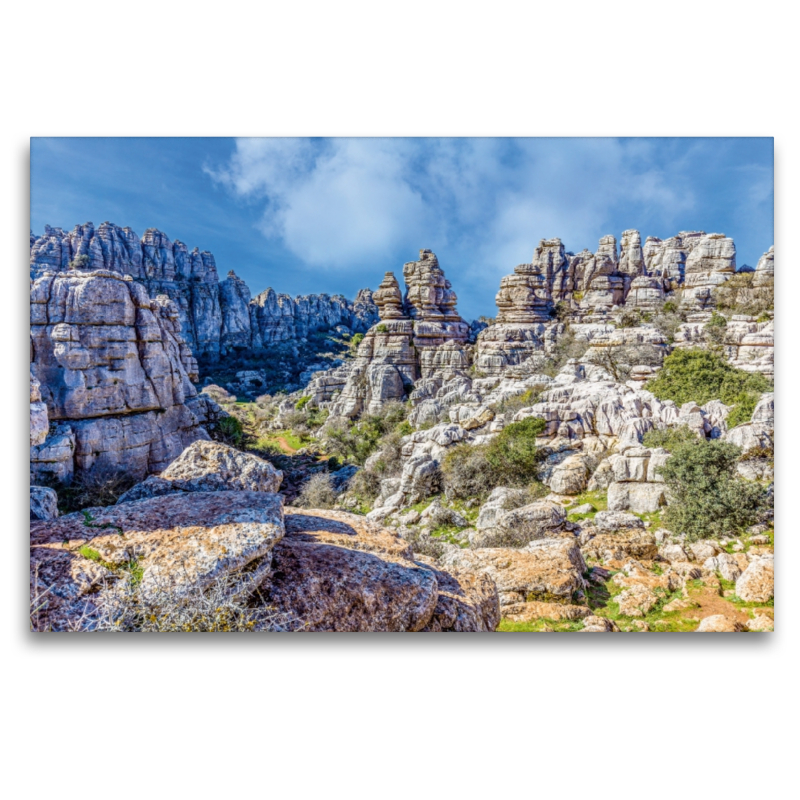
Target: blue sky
(332, 215)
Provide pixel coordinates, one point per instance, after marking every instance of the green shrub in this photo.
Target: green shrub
(512, 454)
(669, 438)
(629, 318)
(472, 471)
(357, 442)
(708, 497)
(381, 328)
(302, 402)
(699, 376)
(228, 430)
(79, 262)
(714, 330)
(355, 342)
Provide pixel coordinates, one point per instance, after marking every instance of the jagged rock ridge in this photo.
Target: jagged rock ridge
(216, 317)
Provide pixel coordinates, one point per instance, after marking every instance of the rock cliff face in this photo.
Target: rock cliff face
(115, 374)
(216, 317)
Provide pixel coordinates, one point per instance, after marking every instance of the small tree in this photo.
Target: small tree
(708, 497)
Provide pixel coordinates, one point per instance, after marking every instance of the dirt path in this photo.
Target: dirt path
(285, 446)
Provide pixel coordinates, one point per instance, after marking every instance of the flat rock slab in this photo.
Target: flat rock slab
(179, 543)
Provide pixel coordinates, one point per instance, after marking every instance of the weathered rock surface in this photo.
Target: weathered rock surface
(115, 374)
(422, 336)
(339, 572)
(209, 467)
(179, 543)
(757, 583)
(549, 570)
(39, 421)
(44, 503)
(519, 526)
(719, 623)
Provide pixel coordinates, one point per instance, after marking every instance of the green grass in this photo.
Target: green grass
(538, 625)
(599, 499)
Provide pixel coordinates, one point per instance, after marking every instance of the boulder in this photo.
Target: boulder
(178, 544)
(550, 570)
(719, 623)
(636, 601)
(570, 475)
(642, 498)
(518, 527)
(207, 466)
(726, 564)
(632, 543)
(757, 583)
(761, 623)
(336, 571)
(44, 503)
(616, 521)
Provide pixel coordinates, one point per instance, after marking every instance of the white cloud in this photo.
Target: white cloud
(350, 204)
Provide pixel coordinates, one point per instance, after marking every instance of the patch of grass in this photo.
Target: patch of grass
(599, 499)
(538, 625)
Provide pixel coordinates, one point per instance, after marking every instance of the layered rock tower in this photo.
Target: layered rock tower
(418, 335)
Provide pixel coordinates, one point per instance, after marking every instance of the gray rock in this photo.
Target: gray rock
(44, 503)
(616, 521)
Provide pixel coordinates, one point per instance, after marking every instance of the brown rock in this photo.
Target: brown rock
(336, 571)
(547, 569)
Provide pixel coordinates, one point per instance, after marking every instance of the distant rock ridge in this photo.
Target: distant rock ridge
(216, 317)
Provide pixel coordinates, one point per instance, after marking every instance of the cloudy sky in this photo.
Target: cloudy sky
(332, 215)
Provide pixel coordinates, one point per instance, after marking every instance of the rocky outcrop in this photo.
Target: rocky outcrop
(115, 374)
(765, 270)
(420, 337)
(711, 262)
(637, 485)
(38, 414)
(549, 570)
(209, 467)
(216, 318)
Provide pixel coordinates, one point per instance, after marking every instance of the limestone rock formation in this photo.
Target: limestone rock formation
(38, 413)
(115, 375)
(214, 317)
(422, 337)
(44, 503)
(389, 298)
(547, 569)
(765, 270)
(710, 263)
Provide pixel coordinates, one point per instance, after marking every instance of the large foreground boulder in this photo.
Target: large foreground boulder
(336, 571)
(174, 545)
(207, 466)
